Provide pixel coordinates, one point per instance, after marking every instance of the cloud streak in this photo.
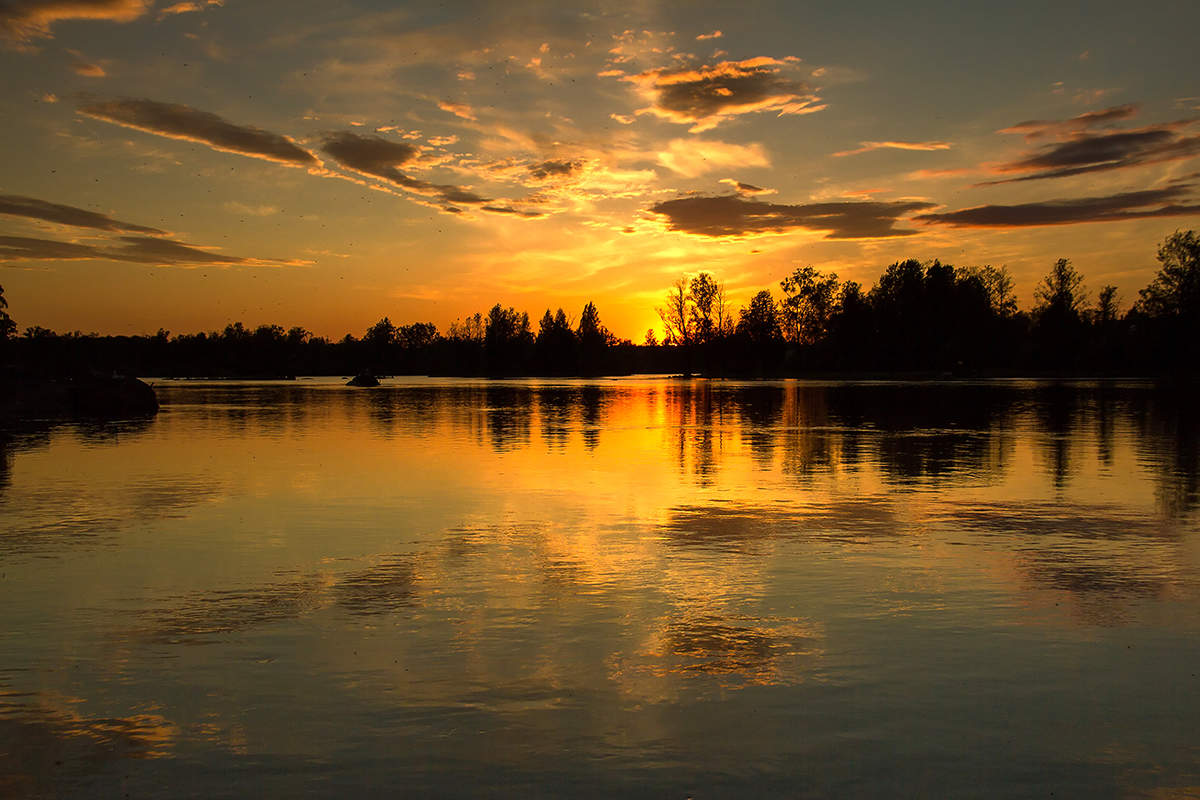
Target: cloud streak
(867, 147)
(1081, 149)
(133, 249)
(706, 96)
(1174, 201)
(1037, 128)
(1086, 153)
(176, 121)
(691, 158)
(32, 208)
(732, 215)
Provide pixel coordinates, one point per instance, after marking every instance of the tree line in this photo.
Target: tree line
(918, 318)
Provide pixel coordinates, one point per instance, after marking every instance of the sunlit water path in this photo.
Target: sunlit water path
(638, 587)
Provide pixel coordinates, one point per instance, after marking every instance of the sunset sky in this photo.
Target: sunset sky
(185, 165)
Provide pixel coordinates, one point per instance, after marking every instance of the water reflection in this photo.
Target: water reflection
(738, 650)
(456, 579)
(742, 528)
(208, 617)
(47, 747)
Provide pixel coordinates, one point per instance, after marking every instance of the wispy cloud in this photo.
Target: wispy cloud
(1174, 201)
(1086, 152)
(133, 249)
(867, 147)
(706, 96)
(713, 35)
(693, 157)
(81, 66)
(747, 189)
(554, 168)
(1037, 128)
(32, 208)
(248, 210)
(731, 215)
(24, 20)
(461, 110)
(187, 7)
(190, 124)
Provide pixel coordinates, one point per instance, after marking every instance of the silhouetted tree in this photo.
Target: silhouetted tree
(556, 343)
(1060, 301)
(1170, 305)
(709, 318)
(7, 326)
(1061, 290)
(998, 285)
(381, 334)
(809, 302)
(593, 339)
(759, 321)
(852, 329)
(506, 336)
(677, 317)
(1175, 291)
(1107, 302)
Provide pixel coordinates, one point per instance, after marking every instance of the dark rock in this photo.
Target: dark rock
(104, 398)
(363, 379)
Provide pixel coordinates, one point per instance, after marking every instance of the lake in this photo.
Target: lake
(640, 587)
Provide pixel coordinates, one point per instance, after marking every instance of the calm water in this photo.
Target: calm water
(615, 588)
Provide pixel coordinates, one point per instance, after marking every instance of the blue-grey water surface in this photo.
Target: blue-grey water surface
(640, 587)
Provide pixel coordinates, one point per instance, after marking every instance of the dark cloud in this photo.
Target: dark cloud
(380, 158)
(1081, 149)
(148, 250)
(190, 124)
(731, 215)
(19, 206)
(373, 155)
(1087, 152)
(1127, 205)
(133, 249)
(23, 20)
(515, 211)
(548, 169)
(746, 189)
(27, 248)
(705, 96)
(1037, 128)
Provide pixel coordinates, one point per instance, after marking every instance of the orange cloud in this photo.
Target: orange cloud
(1037, 128)
(691, 158)
(867, 147)
(704, 97)
(83, 67)
(24, 20)
(187, 7)
(461, 110)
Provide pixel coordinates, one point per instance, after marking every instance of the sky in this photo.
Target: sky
(184, 165)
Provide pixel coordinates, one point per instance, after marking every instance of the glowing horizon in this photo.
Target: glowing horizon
(188, 165)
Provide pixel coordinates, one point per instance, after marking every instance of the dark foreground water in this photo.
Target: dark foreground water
(642, 588)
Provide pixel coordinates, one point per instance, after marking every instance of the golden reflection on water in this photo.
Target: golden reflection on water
(579, 561)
